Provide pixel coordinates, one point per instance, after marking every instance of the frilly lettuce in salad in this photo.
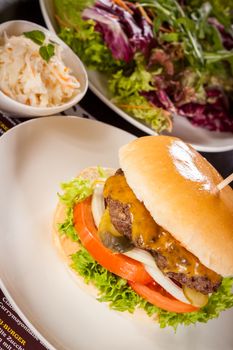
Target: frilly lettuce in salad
(162, 57)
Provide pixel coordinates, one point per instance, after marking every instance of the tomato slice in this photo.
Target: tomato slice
(157, 296)
(139, 280)
(116, 263)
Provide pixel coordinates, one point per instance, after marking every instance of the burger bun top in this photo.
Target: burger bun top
(178, 187)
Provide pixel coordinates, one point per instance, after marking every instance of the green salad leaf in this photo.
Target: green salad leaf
(127, 88)
(125, 85)
(138, 106)
(112, 289)
(67, 227)
(121, 297)
(221, 9)
(68, 12)
(89, 46)
(73, 192)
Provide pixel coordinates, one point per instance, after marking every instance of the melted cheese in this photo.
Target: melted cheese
(149, 235)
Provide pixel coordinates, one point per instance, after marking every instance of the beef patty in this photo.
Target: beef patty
(173, 259)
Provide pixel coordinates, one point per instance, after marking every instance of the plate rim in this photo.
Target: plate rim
(3, 137)
(57, 116)
(20, 313)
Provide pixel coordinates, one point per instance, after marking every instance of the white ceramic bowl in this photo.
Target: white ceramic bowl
(69, 58)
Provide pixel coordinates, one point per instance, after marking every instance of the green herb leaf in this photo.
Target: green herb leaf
(218, 56)
(170, 37)
(47, 51)
(36, 36)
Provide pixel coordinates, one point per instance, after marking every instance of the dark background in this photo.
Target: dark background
(30, 10)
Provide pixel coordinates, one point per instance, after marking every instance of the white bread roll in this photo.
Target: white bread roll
(178, 187)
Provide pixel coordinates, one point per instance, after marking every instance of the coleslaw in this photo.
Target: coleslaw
(28, 78)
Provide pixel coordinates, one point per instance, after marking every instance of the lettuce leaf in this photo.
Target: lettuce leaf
(68, 12)
(127, 90)
(112, 289)
(121, 297)
(73, 192)
(89, 46)
(138, 106)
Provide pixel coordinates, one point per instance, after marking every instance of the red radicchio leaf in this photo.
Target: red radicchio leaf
(109, 26)
(160, 99)
(161, 57)
(214, 115)
(123, 32)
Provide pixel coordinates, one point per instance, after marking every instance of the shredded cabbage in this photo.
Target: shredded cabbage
(29, 79)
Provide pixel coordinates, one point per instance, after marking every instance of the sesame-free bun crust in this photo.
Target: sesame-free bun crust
(178, 187)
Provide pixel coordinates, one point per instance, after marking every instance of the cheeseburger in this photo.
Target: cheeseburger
(155, 234)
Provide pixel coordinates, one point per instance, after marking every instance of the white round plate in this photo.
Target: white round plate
(201, 139)
(35, 158)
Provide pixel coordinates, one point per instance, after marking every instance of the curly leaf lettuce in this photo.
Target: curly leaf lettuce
(68, 12)
(73, 192)
(128, 88)
(121, 297)
(139, 107)
(89, 46)
(115, 290)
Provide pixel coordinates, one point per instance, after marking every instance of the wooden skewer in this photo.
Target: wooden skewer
(225, 182)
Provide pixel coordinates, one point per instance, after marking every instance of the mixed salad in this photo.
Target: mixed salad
(162, 57)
